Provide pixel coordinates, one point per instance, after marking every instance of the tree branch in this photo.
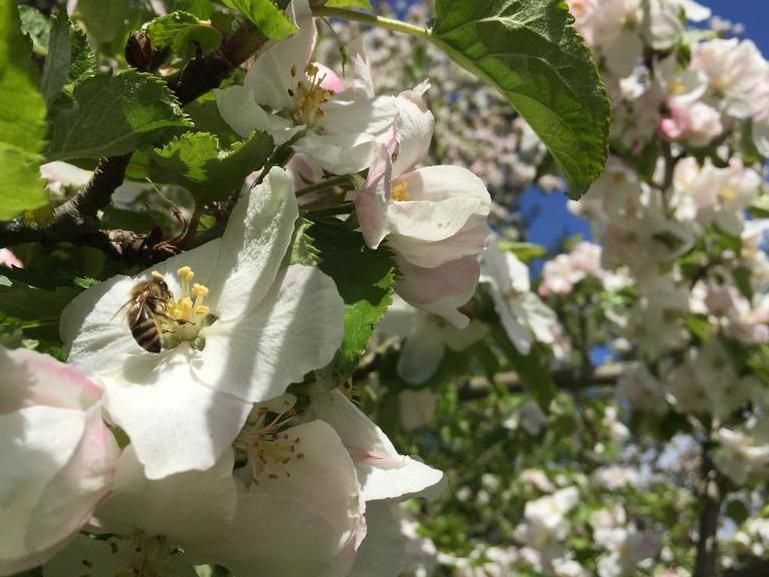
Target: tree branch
(706, 563)
(755, 569)
(565, 379)
(77, 219)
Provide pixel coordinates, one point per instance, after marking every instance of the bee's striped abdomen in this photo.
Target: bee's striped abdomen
(144, 328)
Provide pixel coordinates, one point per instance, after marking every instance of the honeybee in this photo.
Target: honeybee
(148, 301)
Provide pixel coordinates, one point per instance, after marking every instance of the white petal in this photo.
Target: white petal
(384, 548)
(253, 246)
(421, 354)
(108, 558)
(415, 130)
(400, 319)
(175, 423)
(516, 332)
(186, 508)
(442, 200)
(304, 525)
(269, 77)
(240, 110)
(296, 329)
(382, 472)
(340, 153)
(761, 137)
(373, 117)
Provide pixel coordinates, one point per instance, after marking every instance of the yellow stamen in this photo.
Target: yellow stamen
(400, 192)
(156, 274)
(202, 310)
(677, 87)
(728, 193)
(199, 290)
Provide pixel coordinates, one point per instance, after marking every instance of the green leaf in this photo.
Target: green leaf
(105, 20)
(183, 33)
(199, 8)
(759, 208)
(114, 115)
(33, 305)
(364, 4)
(198, 163)
(364, 278)
(56, 69)
(266, 15)
(22, 120)
(530, 51)
(35, 25)
(524, 251)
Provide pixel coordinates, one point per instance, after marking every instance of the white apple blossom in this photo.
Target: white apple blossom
(382, 472)
(744, 455)
(427, 339)
(285, 94)
(737, 73)
(58, 456)
(433, 218)
(544, 519)
(385, 477)
(162, 527)
(642, 390)
(183, 406)
(524, 316)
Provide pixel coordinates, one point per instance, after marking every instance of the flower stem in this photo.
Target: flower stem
(374, 20)
(326, 184)
(344, 208)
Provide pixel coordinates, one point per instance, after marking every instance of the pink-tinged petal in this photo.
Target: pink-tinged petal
(440, 290)
(469, 241)
(296, 329)
(59, 457)
(382, 472)
(415, 128)
(330, 79)
(307, 524)
(7, 258)
(28, 378)
(371, 202)
(270, 77)
(175, 422)
(186, 508)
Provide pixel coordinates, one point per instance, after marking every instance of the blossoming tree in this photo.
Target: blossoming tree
(265, 309)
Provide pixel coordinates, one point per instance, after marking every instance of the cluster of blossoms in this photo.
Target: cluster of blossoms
(679, 263)
(476, 126)
(670, 227)
(170, 437)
